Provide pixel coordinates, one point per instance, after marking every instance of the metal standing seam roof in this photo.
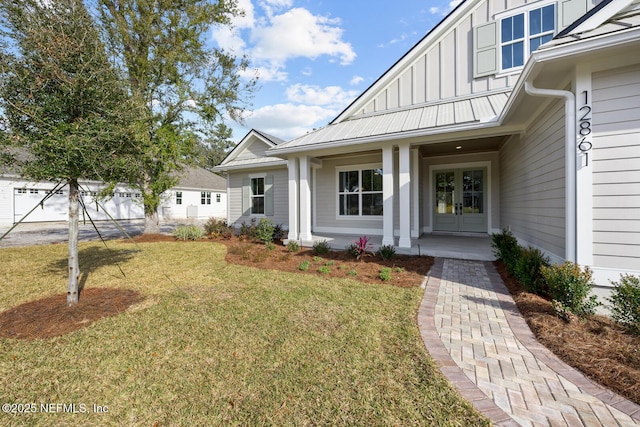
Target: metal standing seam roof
(478, 109)
(258, 161)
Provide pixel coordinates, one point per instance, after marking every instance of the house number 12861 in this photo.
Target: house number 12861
(584, 127)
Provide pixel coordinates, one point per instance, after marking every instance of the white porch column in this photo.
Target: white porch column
(305, 199)
(404, 181)
(387, 196)
(415, 193)
(293, 198)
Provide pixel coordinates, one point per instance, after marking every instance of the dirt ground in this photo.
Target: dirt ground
(598, 347)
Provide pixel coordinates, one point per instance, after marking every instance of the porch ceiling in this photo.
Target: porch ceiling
(466, 146)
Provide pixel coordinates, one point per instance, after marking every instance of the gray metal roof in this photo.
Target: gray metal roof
(256, 162)
(427, 117)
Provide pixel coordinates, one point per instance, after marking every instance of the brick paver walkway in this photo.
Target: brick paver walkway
(471, 326)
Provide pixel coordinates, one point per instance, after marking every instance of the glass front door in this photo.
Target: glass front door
(460, 200)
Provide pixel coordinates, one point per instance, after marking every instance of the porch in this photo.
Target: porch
(465, 246)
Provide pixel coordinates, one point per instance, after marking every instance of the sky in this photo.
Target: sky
(314, 57)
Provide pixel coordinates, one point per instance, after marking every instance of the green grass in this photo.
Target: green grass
(218, 344)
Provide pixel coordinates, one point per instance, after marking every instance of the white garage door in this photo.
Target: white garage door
(53, 209)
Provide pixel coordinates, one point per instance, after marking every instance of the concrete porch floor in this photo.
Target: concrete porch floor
(468, 247)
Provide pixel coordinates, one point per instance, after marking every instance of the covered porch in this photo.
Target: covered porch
(468, 247)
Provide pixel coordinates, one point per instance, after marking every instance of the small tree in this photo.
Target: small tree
(63, 105)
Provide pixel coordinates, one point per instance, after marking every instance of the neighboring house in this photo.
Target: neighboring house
(199, 194)
(513, 114)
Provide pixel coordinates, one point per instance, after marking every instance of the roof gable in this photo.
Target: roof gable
(250, 152)
(200, 178)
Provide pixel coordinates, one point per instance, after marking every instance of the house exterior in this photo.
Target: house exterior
(516, 114)
(199, 194)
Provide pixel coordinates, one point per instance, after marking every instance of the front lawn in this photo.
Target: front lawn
(214, 343)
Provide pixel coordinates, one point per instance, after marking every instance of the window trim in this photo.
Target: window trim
(178, 198)
(525, 10)
(263, 195)
(205, 198)
(359, 168)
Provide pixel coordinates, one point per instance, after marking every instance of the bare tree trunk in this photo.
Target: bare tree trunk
(151, 222)
(74, 267)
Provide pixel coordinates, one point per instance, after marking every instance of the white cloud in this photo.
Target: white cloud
(356, 80)
(289, 120)
(315, 95)
(443, 11)
(266, 73)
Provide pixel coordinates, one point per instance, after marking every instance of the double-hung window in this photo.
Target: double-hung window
(257, 196)
(523, 33)
(205, 197)
(178, 197)
(360, 192)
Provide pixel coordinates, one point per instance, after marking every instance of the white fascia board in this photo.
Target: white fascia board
(582, 47)
(240, 146)
(269, 165)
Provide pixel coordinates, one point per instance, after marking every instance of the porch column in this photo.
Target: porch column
(387, 196)
(305, 199)
(404, 181)
(293, 198)
(415, 192)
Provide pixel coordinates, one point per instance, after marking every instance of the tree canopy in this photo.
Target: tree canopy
(63, 106)
(185, 86)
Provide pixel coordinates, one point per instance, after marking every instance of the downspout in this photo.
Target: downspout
(570, 161)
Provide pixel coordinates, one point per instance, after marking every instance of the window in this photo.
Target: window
(360, 192)
(22, 191)
(217, 197)
(205, 197)
(33, 190)
(257, 196)
(178, 197)
(523, 33)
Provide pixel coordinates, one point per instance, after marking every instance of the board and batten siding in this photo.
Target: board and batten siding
(280, 197)
(616, 168)
(444, 69)
(326, 198)
(532, 183)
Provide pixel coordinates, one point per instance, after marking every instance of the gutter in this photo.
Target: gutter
(570, 161)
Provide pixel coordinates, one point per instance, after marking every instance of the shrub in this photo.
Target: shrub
(360, 248)
(279, 233)
(505, 247)
(324, 270)
(188, 232)
(527, 270)
(570, 286)
(625, 302)
(321, 247)
(385, 274)
(304, 265)
(293, 246)
(264, 231)
(269, 246)
(215, 227)
(352, 273)
(247, 231)
(386, 252)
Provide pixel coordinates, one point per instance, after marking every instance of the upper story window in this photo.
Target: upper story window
(523, 33)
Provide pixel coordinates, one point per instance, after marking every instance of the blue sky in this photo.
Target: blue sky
(314, 57)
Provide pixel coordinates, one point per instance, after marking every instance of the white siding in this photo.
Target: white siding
(532, 189)
(616, 168)
(327, 199)
(280, 194)
(192, 206)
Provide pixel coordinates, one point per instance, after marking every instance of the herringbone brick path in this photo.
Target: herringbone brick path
(470, 325)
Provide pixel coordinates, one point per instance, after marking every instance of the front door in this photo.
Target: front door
(460, 200)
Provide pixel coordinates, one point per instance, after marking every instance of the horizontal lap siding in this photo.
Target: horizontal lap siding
(616, 168)
(532, 189)
(280, 194)
(327, 196)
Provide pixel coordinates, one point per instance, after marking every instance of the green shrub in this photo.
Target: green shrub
(188, 232)
(625, 302)
(352, 273)
(324, 269)
(505, 247)
(264, 230)
(321, 247)
(247, 231)
(329, 263)
(570, 286)
(527, 270)
(279, 233)
(304, 265)
(386, 252)
(215, 228)
(385, 274)
(269, 246)
(293, 246)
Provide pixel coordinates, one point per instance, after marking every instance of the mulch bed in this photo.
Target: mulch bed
(598, 347)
